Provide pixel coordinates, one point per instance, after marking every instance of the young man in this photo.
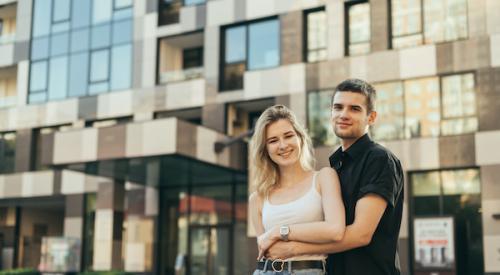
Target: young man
(371, 180)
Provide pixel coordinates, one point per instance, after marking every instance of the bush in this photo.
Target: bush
(20, 271)
(105, 273)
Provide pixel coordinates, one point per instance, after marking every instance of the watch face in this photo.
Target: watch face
(284, 230)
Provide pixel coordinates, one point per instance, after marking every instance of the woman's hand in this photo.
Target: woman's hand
(266, 240)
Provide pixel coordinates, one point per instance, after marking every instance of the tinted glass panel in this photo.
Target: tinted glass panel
(211, 205)
(235, 44)
(61, 10)
(79, 68)
(38, 76)
(58, 77)
(7, 152)
(101, 11)
(425, 206)
(40, 48)
(80, 40)
(121, 67)
(316, 36)
(390, 111)
(119, 4)
(445, 20)
(459, 104)
(80, 16)
(264, 45)
(101, 36)
(426, 184)
(122, 32)
(41, 18)
(422, 105)
(319, 116)
(465, 181)
(359, 28)
(60, 27)
(233, 76)
(59, 44)
(99, 66)
(193, 2)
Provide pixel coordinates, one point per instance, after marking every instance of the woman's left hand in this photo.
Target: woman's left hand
(266, 240)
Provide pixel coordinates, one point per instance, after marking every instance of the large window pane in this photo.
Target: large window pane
(422, 106)
(79, 67)
(121, 67)
(80, 16)
(359, 28)
(59, 44)
(406, 23)
(80, 40)
(102, 10)
(465, 181)
(61, 10)
(101, 36)
(235, 44)
(122, 32)
(99, 66)
(459, 104)
(38, 76)
(264, 45)
(426, 184)
(7, 152)
(41, 18)
(120, 4)
(319, 117)
(445, 20)
(193, 2)
(58, 77)
(233, 76)
(211, 205)
(40, 48)
(316, 36)
(390, 111)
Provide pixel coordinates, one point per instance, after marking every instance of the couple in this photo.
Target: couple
(352, 212)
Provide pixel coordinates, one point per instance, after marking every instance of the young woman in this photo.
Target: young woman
(292, 201)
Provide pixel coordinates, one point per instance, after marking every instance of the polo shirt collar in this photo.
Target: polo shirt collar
(356, 150)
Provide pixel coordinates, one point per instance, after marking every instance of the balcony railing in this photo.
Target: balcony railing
(181, 75)
(7, 38)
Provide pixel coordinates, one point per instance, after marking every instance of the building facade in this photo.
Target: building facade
(123, 124)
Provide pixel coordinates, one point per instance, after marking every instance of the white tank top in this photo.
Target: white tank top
(305, 209)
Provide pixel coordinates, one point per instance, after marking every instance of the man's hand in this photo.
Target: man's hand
(281, 250)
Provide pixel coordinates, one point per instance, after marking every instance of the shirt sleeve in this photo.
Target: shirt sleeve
(383, 176)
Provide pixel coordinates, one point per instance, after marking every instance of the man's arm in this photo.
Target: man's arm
(368, 212)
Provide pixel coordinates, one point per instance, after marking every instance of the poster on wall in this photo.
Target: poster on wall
(434, 243)
(60, 254)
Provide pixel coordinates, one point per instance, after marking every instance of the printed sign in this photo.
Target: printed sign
(434, 243)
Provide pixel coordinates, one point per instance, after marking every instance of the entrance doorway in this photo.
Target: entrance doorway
(210, 250)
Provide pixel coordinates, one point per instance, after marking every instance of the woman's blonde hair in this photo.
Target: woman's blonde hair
(264, 172)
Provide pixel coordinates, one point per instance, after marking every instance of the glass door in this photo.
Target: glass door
(209, 250)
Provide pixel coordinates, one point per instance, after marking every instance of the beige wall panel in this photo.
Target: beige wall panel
(383, 66)
(277, 81)
(220, 12)
(471, 54)
(111, 142)
(22, 82)
(114, 104)
(6, 54)
(60, 112)
(322, 155)
(186, 138)
(38, 184)
(188, 17)
(418, 61)
(72, 182)
(148, 62)
(490, 182)
(151, 138)
(491, 226)
(73, 227)
(493, 20)
(416, 154)
(286, 6)
(205, 138)
(291, 38)
(404, 230)
(477, 18)
(2, 186)
(485, 142)
(495, 48)
(75, 146)
(335, 14)
(491, 253)
(185, 94)
(358, 67)
(29, 116)
(135, 139)
(13, 185)
(457, 151)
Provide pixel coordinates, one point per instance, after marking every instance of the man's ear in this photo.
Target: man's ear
(372, 117)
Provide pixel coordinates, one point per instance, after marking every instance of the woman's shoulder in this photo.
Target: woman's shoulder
(326, 172)
(255, 199)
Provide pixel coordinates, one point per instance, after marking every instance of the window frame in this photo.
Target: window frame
(305, 40)
(347, 5)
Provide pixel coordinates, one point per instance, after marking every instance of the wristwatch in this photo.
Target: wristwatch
(284, 231)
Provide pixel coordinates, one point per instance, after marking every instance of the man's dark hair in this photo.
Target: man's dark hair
(358, 86)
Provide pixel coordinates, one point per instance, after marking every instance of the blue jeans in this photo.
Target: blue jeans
(268, 270)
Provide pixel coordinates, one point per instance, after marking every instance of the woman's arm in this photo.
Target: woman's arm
(255, 207)
(333, 227)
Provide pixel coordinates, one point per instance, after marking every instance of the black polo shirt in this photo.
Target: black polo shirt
(367, 167)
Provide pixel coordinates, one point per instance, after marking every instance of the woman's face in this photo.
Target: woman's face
(282, 143)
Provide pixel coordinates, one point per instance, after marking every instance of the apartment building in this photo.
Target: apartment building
(123, 124)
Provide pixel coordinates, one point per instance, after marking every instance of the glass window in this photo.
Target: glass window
(264, 45)
(316, 36)
(122, 32)
(319, 117)
(233, 76)
(99, 66)
(426, 184)
(121, 67)
(101, 36)
(359, 28)
(37, 97)
(120, 4)
(193, 2)
(422, 106)
(102, 10)
(465, 181)
(7, 152)
(459, 104)
(58, 77)
(211, 204)
(79, 67)
(445, 20)
(235, 44)
(60, 27)
(80, 15)
(59, 44)
(80, 40)
(390, 111)
(38, 76)
(61, 10)
(40, 48)
(41, 17)
(406, 23)
(192, 58)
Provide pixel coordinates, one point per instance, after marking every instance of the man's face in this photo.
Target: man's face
(350, 118)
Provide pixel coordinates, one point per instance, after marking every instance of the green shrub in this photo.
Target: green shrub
(20, 271)
(105, 273)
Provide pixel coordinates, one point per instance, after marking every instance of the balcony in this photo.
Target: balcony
(7, 33)
(8, 86)
(170, 10)
(180, 58)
